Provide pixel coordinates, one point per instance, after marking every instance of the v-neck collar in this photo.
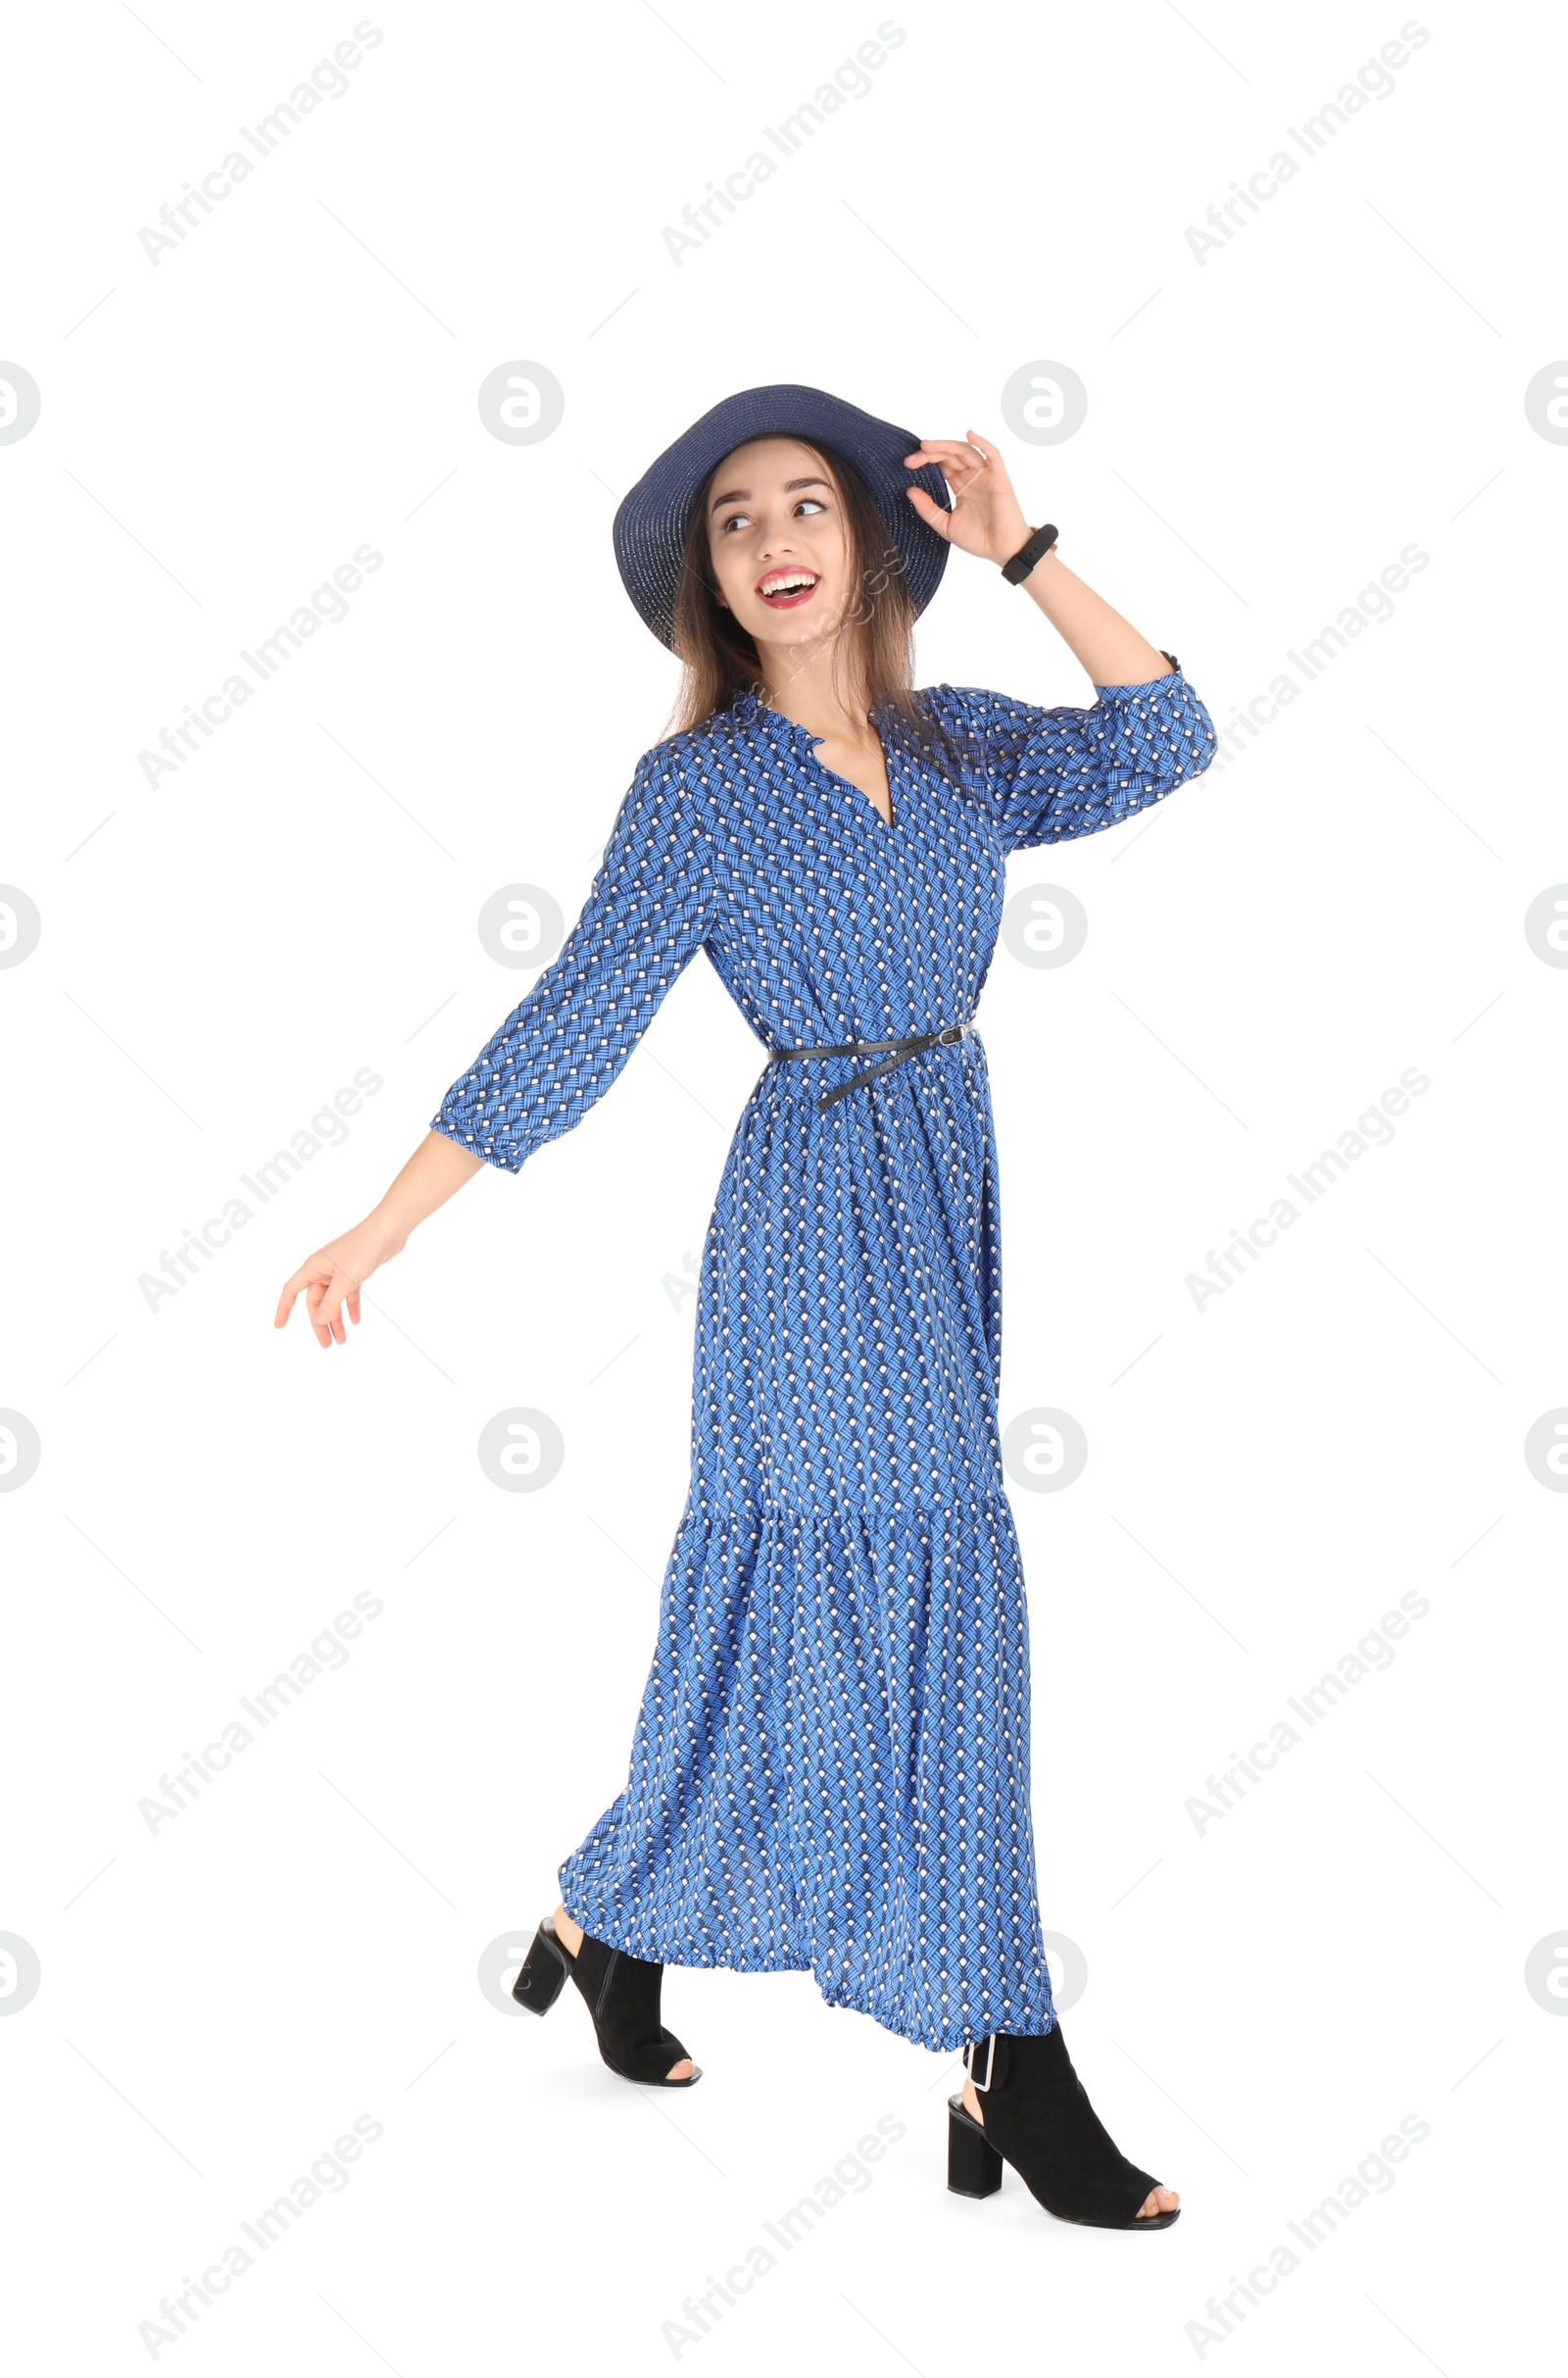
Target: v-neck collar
(751, 711)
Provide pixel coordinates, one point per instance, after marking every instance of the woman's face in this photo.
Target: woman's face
(779, 541)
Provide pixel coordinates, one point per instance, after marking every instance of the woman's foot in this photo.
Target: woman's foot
(570, 1937)
(1157, 2201)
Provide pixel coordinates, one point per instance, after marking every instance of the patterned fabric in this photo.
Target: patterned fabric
(830, 1768)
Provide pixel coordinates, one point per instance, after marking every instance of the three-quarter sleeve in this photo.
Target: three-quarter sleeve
(647, 911)
(1052, 775)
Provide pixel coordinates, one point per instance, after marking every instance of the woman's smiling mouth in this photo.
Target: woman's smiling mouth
(787, 589)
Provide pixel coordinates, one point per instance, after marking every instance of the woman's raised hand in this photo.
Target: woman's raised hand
(987, 518)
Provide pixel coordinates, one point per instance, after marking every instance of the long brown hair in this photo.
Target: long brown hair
(873, 653)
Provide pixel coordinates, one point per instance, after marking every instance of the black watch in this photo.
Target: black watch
(1040, 540)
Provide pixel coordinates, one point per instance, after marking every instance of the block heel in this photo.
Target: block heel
(974, 2167)
(621, 1993)
(543, 1971)
(1036, 2116)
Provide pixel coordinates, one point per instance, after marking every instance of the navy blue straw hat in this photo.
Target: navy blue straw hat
(652, 522)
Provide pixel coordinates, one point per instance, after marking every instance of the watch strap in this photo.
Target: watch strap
(1039, 542)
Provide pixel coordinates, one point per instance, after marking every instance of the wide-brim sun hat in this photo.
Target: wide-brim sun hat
(652, 521)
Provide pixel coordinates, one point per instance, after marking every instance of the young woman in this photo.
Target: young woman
(830, 1768)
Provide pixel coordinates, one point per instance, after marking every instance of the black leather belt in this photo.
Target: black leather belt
(948, 1038)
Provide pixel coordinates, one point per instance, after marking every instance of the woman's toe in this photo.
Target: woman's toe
(1159, 2201)
(681, 2071)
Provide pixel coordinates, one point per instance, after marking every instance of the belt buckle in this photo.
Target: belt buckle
(991, 2058)
(951, 1034)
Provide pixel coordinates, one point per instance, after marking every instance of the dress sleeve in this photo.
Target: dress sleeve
(647, 912)
(1050, 775)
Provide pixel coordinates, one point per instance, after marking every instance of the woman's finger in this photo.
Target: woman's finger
(948, 450)
(935, 514)
(321, 1305)
(298, 1283)
(346, 1286)
(342, 1285)
(963, 470)
(947, 524)
(994, 462)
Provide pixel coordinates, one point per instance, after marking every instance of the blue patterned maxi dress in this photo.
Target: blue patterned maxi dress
(830, 1768)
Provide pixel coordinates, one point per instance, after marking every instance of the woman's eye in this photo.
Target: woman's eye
(743, 520)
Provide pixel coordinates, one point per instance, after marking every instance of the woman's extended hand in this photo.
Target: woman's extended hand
(437, 1167)
(987, 517)
(336, 1271)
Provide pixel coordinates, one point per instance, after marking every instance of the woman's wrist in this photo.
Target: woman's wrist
(392, 1225)
(1009, 542)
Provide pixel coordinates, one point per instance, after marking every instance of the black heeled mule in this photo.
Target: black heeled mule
(622, 1996)
(1037, 2117)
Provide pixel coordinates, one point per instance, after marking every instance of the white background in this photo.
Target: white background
(221, 952)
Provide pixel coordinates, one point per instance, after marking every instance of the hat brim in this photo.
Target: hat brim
(652, 522)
